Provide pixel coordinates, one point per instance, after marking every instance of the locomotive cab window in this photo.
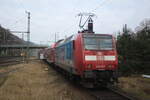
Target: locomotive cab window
(98, 42)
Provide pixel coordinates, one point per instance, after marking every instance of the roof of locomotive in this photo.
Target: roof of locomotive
(95, 34)
(72, 37)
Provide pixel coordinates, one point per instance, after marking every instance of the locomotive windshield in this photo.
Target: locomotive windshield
(95, 42)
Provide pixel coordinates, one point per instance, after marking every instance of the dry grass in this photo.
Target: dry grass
(136, 86)
(32, 82)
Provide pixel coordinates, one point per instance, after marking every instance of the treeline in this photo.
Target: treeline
(134, 49)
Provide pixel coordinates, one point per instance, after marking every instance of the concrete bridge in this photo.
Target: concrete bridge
(17, 50)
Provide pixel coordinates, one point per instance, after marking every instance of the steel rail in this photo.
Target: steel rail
(10, 61)
(109, 94)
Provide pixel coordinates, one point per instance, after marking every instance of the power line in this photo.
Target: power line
(70, 27)
(28, 34)
(104, 2)
(14, 24)
(67, 29)
(21, 4)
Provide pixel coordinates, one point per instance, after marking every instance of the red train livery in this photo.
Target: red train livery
(86, 56)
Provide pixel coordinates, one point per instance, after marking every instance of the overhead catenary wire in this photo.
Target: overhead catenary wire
(21, 4)
(68, 28)
(93, 10)
(15, 23)
(100, 5)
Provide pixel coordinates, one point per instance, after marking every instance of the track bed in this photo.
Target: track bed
(107, 94)
(5, 61)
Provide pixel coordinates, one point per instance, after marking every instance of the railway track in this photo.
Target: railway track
(5, 61)
(109, 94)
(9, 71)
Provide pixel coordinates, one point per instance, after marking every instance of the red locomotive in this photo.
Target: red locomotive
(88, 57)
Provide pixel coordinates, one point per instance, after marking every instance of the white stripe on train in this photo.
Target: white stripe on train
(90, 58)
(95, 58)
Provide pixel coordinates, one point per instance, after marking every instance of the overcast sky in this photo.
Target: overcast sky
(60, 16)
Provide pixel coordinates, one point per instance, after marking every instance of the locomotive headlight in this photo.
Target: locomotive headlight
(89, 66)
(109, 66)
